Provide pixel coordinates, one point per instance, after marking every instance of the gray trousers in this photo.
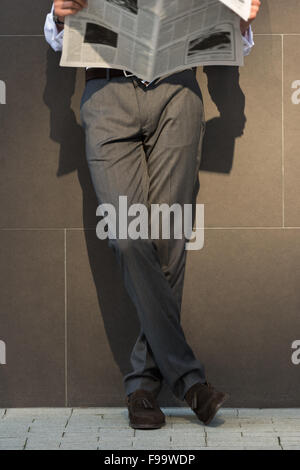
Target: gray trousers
(145, 143)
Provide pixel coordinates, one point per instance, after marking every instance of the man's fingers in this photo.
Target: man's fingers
(254, 12)
(82, 3)
(60, 3)
(255, 5)
(71, 5)
(68, 7)
(68, 12)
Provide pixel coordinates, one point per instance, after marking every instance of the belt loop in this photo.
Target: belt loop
(107, 74)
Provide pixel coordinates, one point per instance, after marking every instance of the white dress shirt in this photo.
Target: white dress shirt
(55, 38)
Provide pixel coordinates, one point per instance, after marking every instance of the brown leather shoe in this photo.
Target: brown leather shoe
(144, 412)
(205, 401)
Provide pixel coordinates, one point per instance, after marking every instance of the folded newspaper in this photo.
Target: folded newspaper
(151, 38)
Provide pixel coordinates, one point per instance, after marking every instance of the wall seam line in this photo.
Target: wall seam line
(282, 131)
(236, 227)
(66, 318)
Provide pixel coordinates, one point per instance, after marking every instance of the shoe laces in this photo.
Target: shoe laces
(144, 402)
(147, 403)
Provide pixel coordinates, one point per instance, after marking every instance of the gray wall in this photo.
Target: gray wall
(65, 317)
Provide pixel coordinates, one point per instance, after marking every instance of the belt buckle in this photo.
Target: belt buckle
(128, 74)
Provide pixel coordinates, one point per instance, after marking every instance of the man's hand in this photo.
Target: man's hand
(63, 8)
(255, 5)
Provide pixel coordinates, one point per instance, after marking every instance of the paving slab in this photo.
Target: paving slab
(38, 412)
(108, 429)
(291, 447)
(42, 444)
(12, 444)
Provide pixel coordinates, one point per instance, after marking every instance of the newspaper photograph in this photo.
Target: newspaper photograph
(151, 38)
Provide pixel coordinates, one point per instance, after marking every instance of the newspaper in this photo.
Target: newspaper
(151, 38)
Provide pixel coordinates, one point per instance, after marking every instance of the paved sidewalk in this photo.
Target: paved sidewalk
(107, 428)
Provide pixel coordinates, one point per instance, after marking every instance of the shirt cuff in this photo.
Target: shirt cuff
(53, 37)
(248, 41)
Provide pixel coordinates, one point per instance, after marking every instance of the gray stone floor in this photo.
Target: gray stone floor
(107, 429)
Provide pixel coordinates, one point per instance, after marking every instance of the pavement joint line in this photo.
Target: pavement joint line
(68, 420)
(205, 437)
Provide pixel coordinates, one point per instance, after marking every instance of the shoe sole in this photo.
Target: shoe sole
(219, 405)
(147, 426)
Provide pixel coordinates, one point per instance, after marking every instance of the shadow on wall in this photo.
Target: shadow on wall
(225, 92)
(118, 312)
(222, 131)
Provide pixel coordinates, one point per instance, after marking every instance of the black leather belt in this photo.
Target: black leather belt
(91, 74)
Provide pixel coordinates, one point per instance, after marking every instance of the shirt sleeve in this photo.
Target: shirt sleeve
(53, 37)
(248, 42)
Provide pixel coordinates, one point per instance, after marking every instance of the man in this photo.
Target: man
(144, 141)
